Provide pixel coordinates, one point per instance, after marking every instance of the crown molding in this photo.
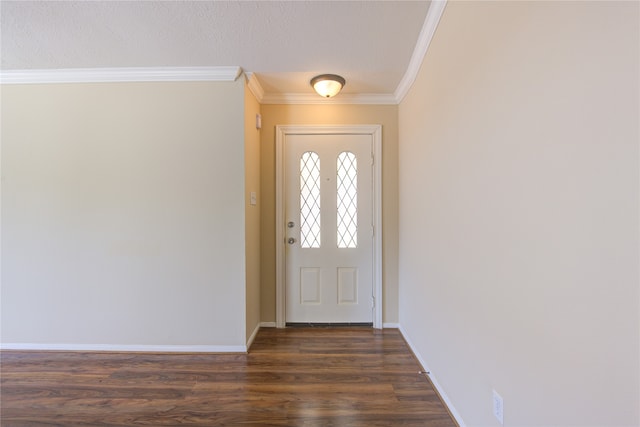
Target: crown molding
(231, 73)
(107, 75)
(312, 98)
(315, 99)
(436, 8)
(254, 86)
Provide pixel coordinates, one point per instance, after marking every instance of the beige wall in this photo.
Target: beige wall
(252, 184)
(519, 212)
(385, 115)
(123, 214)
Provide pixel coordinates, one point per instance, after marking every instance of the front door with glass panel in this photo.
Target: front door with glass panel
(328, 230)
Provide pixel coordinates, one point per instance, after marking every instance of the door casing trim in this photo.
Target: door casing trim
(375, 131)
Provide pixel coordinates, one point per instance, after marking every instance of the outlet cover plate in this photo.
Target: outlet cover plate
(498, 407)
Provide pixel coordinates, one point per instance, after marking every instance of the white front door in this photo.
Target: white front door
(328, 213)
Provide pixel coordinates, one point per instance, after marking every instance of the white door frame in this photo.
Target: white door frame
(281, 133)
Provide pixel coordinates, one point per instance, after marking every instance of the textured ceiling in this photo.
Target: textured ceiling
(284, 43)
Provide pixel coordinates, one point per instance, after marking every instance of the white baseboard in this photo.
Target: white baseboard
(127, 348)
(267, 324)
(433, 379)
(253, 336)
(390, 325)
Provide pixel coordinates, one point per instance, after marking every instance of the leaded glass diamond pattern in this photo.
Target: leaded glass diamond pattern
(347, 186)
(310, 200)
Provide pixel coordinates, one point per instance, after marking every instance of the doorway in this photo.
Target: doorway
(328, 224)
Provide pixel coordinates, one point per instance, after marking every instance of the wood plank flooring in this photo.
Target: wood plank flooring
(291, 377)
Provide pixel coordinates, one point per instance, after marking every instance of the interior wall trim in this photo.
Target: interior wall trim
(254, 86)
(231, 73)
(267, 324)
(436, 9)
(431, 375)
(110, 75)
(315, 99)
(126, 348)
(431, 21)
(253, 336)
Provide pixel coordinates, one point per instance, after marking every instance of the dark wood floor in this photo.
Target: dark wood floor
(291, 377)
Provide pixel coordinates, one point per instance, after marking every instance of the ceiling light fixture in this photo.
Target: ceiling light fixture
(327, 85)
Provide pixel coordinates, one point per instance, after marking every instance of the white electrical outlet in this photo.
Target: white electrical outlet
(498, 407)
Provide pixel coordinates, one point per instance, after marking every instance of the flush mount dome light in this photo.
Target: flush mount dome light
(327, 85)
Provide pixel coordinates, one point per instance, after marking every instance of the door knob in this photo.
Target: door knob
(291, 240)
(290, 224)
